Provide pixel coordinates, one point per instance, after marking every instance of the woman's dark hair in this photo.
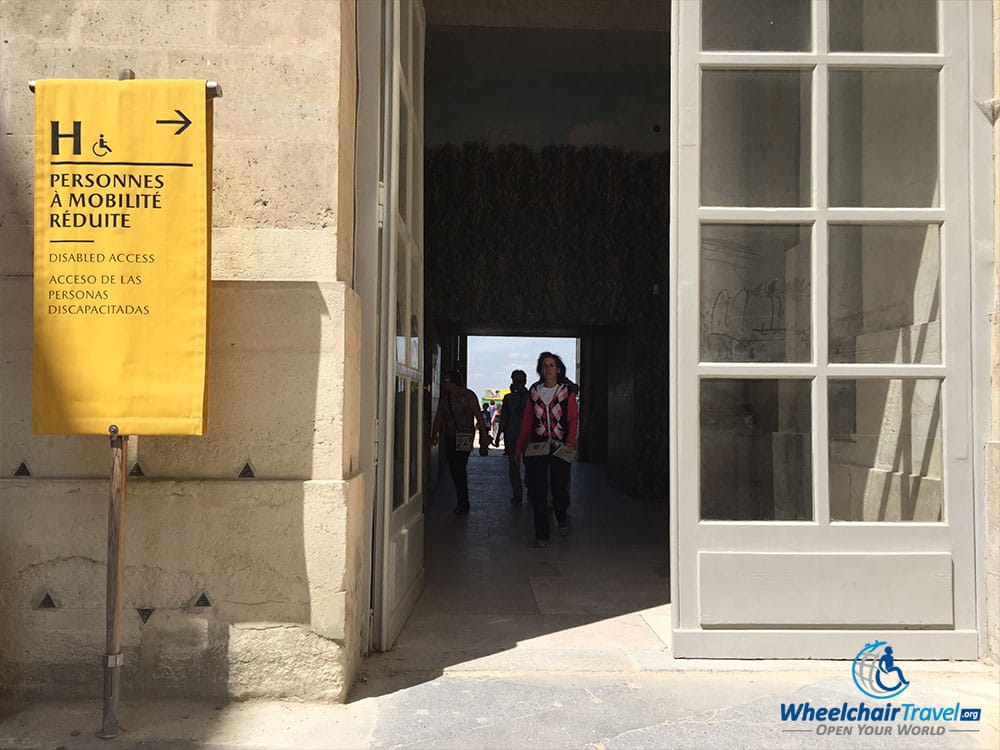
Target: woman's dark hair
(560, 366)
(454, 376)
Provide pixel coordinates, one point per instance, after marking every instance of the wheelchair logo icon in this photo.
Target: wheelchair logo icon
(876, 673)
(101, 147)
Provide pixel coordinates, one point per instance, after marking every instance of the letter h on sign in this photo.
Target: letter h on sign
(75, 135)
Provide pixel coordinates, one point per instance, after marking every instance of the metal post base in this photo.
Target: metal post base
(112, 675)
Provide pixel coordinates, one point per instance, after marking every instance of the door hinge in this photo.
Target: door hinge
(380, 210)
(371, 630)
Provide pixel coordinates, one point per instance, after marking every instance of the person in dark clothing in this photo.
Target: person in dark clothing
(458, 415)
(511, 414)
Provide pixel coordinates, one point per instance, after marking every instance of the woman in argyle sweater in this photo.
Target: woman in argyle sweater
(549, 417)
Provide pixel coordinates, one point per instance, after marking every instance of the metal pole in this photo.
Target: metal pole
(116, 567)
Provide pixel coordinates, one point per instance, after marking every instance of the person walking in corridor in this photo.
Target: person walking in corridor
(548, 444)
(455, 423)
(511, 414)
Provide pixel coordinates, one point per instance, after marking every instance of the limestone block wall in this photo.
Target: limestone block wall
(992, 448)
(252, 582)
(993, 538)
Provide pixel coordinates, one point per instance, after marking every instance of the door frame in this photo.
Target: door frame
(377, 188)
(368, 282)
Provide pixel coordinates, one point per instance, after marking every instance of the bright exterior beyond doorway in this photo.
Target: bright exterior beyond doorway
(493, 358)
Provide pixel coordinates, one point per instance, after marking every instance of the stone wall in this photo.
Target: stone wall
(991, 451)
(277, 556)
(992, 618)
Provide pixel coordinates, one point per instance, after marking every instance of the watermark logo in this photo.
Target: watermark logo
(876, 673)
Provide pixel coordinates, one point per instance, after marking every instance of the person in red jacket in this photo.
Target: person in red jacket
(547, 443)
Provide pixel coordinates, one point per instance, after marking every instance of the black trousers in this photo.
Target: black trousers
(514, 474)
(542, 474)
(458, 464)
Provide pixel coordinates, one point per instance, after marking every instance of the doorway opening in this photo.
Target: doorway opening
(546, 203)
(546, 197)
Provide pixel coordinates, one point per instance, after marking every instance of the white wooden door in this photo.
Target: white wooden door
(401, 466)
(823, 454)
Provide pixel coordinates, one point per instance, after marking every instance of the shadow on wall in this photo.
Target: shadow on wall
(207, 552)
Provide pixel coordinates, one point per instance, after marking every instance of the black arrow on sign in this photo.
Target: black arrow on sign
(183, 122)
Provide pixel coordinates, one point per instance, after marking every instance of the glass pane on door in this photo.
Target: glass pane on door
(755, 296)
(755, 131)
(402, 296)
(761, 25)
(883, 26)
(884, 138)
(405, 162)
(414, 443)
(885, 450)
(885, 293)
(416, 309)
(399, 443)
(756, 450)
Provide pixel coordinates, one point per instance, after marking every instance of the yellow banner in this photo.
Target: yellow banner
(122, 256)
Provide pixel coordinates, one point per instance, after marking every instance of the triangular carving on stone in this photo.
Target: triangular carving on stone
(202, 600)
(145, 614)
(22, 470)
(46, 602)
(136, 471)
(247, 472)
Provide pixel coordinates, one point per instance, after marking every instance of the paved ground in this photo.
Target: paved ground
(566, 647)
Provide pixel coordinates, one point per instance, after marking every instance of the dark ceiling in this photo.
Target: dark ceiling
(607, 15)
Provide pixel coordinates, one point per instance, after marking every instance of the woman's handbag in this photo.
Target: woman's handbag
(463, 441)
(540, 448)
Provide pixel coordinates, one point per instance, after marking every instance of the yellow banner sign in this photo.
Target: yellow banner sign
(122, 256)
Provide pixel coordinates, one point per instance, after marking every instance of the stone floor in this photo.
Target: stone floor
(595, 599)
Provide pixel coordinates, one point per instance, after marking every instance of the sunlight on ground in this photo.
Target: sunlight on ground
(646, 629)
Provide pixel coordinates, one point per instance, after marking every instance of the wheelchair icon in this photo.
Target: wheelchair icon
(887, 666)
(101, 148)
